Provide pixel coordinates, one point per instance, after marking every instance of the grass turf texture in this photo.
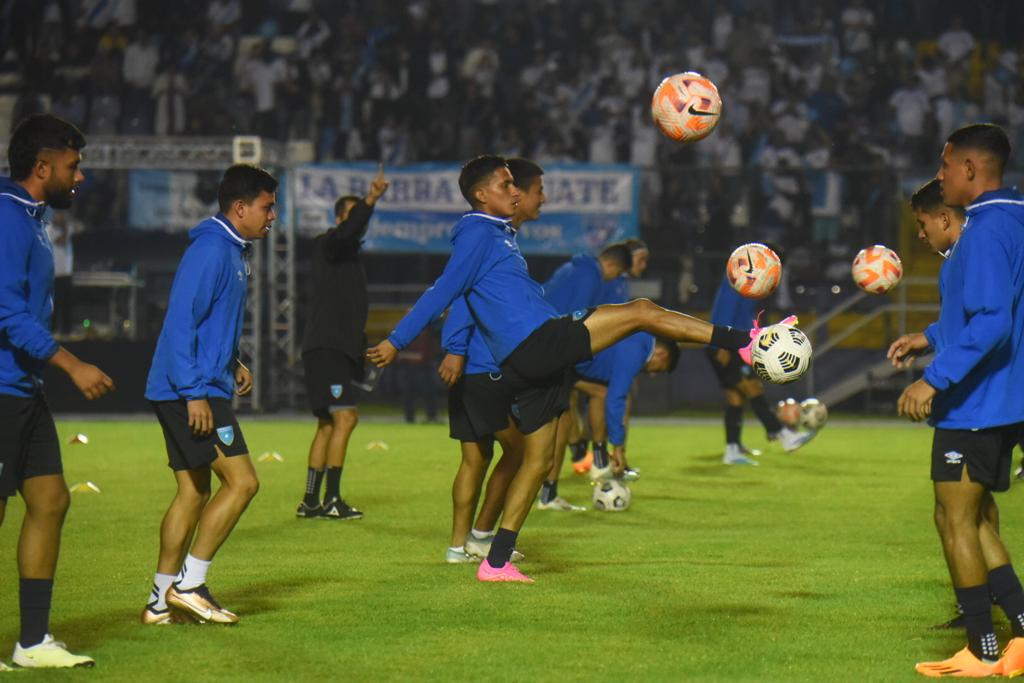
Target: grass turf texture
(819, 565)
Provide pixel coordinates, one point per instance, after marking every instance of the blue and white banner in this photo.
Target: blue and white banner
(587, 206)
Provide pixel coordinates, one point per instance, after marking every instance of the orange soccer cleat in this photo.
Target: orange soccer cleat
(963, 665)
(583, 465)
(1012, 663)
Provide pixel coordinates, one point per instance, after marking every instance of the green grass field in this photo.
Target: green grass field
(817, 566)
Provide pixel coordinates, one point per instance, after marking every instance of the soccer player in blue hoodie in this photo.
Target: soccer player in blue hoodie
(581, 281)
(970, 393)
(44, 157)
(535, 347)
(195, 371)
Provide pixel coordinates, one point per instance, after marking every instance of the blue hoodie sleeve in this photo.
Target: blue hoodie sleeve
(16, 320)
(469, 249)
(201, 276)
(987, 308)
(627, 366)
(458, 327)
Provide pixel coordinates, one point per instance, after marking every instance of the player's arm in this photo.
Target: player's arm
(21, 328)
(904, 350)
(243, 378)
(455, 334)
(353, 229)
(468, 253)
(616, 406)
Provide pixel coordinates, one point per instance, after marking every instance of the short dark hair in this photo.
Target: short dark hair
(636, 244)
(983, 137)
(524, 172)
(340, 204)
(36, 133)
(619, 254)
(928, 198)
(476, 171)
(245, 182)
(673, 351)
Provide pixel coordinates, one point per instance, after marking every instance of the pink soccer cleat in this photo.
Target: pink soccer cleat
(748, 350)
(508, 572)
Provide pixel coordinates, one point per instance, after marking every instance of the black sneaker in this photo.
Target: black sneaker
(336, 508)
(306, 512)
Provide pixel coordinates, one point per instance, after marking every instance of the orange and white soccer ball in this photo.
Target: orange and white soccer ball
(686, 107)
(877, 269)
(788, 412)
(754, 270)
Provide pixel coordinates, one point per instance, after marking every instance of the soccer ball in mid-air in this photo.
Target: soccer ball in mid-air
(788, 412)
(686, 107)
(877, 269)
(813, 414)
(781, 354)
(611, 496)
(754, 270)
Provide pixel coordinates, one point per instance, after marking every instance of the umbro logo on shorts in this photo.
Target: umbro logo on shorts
(226, 435)
(336, 390)
(954, 457)
(578, 315)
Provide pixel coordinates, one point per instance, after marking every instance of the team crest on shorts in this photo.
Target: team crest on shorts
(226, 435)
(578, 315)
(953, 457)
(336, 390)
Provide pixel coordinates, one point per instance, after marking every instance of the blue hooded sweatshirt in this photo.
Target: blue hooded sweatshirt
(733, 309)
(617, 366)
(198, 345)
(978, 339)
(26, 291)
(487, 268)
(460, 337)
(615, 291)
(577, 284)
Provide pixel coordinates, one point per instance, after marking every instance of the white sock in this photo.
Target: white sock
(193, 573)
(457, 549)
(157, 597)
(480, 535)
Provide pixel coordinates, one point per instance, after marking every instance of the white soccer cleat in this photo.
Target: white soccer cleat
(4, 667)
(793, 440)
(479, 548)
(734, 456)
(49, 654)
(561, 504)
(599, 474)
(456, 556)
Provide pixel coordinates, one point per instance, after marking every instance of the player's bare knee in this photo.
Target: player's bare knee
(345, 420)
(247, 487)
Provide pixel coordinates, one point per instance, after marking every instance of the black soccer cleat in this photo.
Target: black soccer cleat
(338, 509)
(306, 512)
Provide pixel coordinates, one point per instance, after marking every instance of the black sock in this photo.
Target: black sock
(35, 597)
(600, 455)
(549, 491)
(725, 337)
(765, 414)
(501, 548)
(578, 450)
(1009, 595)
(981, 635)
(314, 478)
(733, 423)
(333, 483)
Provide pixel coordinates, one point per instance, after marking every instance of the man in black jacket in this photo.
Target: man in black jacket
(332, 349)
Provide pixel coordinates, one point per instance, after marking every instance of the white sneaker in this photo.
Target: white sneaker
(598, 474)
(479, 548)
(630, 474)
(793, 440)
(4, 667)
(559, 503)
(49, 654)
(457, 556)
(734, 456)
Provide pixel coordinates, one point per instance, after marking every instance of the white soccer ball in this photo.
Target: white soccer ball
(611, 496)
(686, 107)
(877, 269)
(781, 354)
(813, 414)
(754, 270)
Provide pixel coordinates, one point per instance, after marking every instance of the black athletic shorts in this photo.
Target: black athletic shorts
(29, 446)
(733, 372)
(986, 452)
(186, 451)
(478, 406)
(541, 371)
(329, 381)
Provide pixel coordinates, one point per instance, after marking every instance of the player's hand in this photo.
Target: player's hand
(243, 380)
(90, 380)
(904, 350)
(378, 187)
(200, 417)
(383, 354)
(618, 458)
(451, 369)
(916, 401)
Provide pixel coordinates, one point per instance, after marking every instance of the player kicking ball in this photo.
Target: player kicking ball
(535, 347)
(194, 374)
(969, 393)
